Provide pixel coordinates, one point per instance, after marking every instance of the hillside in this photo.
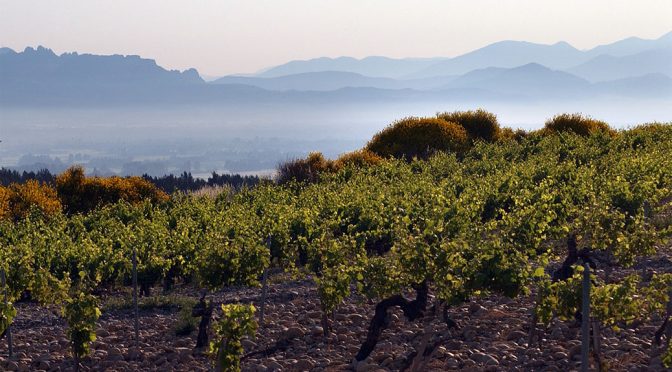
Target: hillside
(463, 258)
(531, 80)
(608, 67)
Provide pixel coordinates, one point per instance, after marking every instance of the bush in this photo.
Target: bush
(508, 134)
(479, 124)
(17, 200)
(576, 123)
(649, 128)
(80, 194)
(359, 158)
(304, 170)
(418, 137)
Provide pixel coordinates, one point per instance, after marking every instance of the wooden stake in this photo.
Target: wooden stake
(8, 332)
(135, 297)
(597, 344)
(585, 319)
(264, 288)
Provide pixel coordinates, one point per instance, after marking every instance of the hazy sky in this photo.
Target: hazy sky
(228, 36)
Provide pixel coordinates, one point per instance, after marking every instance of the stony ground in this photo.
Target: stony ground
(493, 336)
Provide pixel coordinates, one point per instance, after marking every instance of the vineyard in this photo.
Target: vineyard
(476, 255)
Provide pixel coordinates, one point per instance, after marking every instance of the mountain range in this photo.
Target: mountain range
(506, 70)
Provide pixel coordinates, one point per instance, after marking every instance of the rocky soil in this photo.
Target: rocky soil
(493, 336)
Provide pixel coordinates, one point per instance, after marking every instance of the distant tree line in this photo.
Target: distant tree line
(186, 182)
(9, 176)
(169, 183)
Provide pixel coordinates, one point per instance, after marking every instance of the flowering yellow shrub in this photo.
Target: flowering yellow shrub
(79, 193)
(418, 137)
(479, 124)
(359, 158)
(578, 124)
(17, 200)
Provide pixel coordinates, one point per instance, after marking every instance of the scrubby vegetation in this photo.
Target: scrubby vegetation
(450, 132)
(359, 158)
(577, 124)
(79, 193)
(304, 170)
(418, 138)
(479, 124)
(169, 183)
(17, 200)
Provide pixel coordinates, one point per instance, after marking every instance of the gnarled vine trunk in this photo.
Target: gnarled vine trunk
(204, 310)
(413, 310)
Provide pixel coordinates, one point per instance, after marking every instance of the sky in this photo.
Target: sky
(242, 36)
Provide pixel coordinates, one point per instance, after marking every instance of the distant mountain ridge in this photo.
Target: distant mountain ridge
(632, 45)
(531, 79)
(507, 70)
(373, 66)
(332, 80)
(505, 54)
(40, 65)
(607, 67)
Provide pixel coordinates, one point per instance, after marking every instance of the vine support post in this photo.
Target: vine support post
(585, 318)
(264, 287)
(218, 364)
(135, 297)
(10, 348)
(597, 344)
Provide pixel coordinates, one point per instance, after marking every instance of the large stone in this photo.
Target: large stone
(515, 335)
(486, 359)
(273, 366)
(292, 333)
(475, 308)
(364, 366)
(304, 365)
(317, 331)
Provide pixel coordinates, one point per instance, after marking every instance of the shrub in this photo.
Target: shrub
(304, 170)
(359, 158)
(17, 200)
(418, 137)
(80, 194)
(479, 124)
(508, 134)
(576, 123)
(5, 196)
(649, 128)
